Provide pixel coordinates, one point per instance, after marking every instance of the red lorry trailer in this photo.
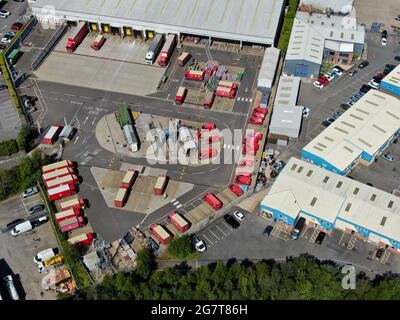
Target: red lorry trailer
(57, 166)
(71, 224)
(61, 192)
(98, 42)
(57, 174)
(209, 99)
(179, 221)
(69, 179)
(84, 239)
(64, 215)
(161, 233)
(77, 36)
(180, 95)
(226, 92)
(167, 50)
(129, 179)
(160, 185)
(213, 201)
(76, 203)
(184, 58)
(121, 197)
(52, 135)
(196, 75)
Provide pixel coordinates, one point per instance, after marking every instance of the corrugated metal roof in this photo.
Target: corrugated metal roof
(393, 77)
(268, 68)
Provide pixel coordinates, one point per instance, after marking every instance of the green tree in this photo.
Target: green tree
(144, 263)
(181, 247)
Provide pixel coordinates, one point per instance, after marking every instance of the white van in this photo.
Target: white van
(44, 255)
(21, 228)
(9, 284)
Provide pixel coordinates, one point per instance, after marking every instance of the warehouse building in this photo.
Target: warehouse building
(250, 21)
(360, 135)
(268, 68)
(330, 201)
(334, 6)
(391, 83)
(287, 115)
(316, 37)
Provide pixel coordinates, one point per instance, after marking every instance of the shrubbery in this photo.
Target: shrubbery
(287, 26)
(180, 248)
(8, 147)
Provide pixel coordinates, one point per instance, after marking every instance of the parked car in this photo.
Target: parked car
(329, 76)
(5, 12)
(352, 72)
(379, 253)
(6, 40)
(365, 88)
(397, 18)
(236, 189)
(369, 184)
(231, 221)
(328, 122)
(16, 26)
(397, 58)
(388, 157)
(198, 244)
(345, 106)
(29, 192)
(380, 76)
(267, 231)
(274, 174)
(238, 215)
(338, 70)
(373, 84)
(13, 223)
(318, 84)
(306, 112)
(2, 46)
(384, 34)
(388, 68)
(3, 16)
(320, 237)
(363, 64)
(254, 120)
(39, 221)
(35, 208)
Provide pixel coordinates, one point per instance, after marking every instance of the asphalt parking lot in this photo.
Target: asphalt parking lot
(17, 252)
(247, 242)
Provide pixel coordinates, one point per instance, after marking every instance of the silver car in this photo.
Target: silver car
(29, 192)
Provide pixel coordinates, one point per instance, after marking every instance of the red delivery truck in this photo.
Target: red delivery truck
(243, 180)
(236, 189)
(209, 126)
(196, 75)
(167, 50)
(71, 224)
(209, 99)
(61, 192)
(208, 153)
(161, 185)
(179, 221)
(122, 196)
(57, 165)
(213, 201)
(180, 95)
(76, 203)
(84, 239)
(184, 58)
(77, 36)
(70, 179)
(161, 233)
(57, 174)
(52, 135)
(129, 179)
(225, 92)
(64, 215)
(98, 42)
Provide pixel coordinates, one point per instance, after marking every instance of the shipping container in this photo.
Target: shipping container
(84, 239)
(52, 135)
(77, 36)
(14, 56)
(209, 99)
(196, 75)
(180, 95)
(71, 224)
(154, 48)
(167, 50)
(64, 215)
(184, 58)
(179, 221)
(161, 185)
(123, 116)
(212, 200)
(129, 179)
(226, 92)
(98, 42)
(69, 179)
(61, 192)
(57, 174)
(131, 137)
(57, 165)
(226, 84)
(161, 233)
(76, 203)
(121, 197)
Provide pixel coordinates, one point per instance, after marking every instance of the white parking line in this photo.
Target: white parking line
(173, 200)
(205, 237)
(23, 203)
(221, 230)
(76, 139)
(179, 206)
(214, 234)
(175, 203)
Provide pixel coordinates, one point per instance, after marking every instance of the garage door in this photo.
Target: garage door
(301, 70)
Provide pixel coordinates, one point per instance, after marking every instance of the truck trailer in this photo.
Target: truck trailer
(209, 99)
(64, 215)
(181, 95)
(77, 37)
(184, 58)
(98, 42)
(154, 48)
(84, 239)
(76, 203)
(167, 50)
(52, 135)
(121, 197)
(60, 192)
(69, 179)
(129, 179)
(213, 201)
(161, 233)
(71, 224)
(226, 92)
(179, 221)
(57, 166)
(161, 185)
(57, 174)
(196, 75)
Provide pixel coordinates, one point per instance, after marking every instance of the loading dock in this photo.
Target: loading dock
(115, 31)
(93, 26)
(105, 28)
(127, 31)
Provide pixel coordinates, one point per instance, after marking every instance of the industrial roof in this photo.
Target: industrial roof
(268, 68)
(393, 77)
(287, 92)
(328, 196)
(366, 126)
(253, 21)
(285, 120)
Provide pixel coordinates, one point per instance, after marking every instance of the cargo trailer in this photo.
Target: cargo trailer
(154, 48)
(131, 137)
(196, 75)
(57, 174)
(129, 179)
(161, 185)
(209, 99)
(181, 95)
(212, 200)
(84, 239)
(179, 221)
(60, 192)
(64, 215)
(121, 197)
(70, 179)
(77, 37)
(71, 224)
(14, 56)
(226, 92)
(167, 50)
(161, 233)
(76, 203)
(52, 135)
(57, 166)
(98, 42)
(226, 84)
(184, 58)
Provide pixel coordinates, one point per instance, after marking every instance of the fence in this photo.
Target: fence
(49, 46)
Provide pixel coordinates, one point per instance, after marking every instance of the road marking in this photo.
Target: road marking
(179, 206)
(173, 200)
(84, 140)
(214, 234)
(205, 237)
(76, 139)
(69, 95)
(86, 119)
(175, 203)
(94, 120)
(221, 231)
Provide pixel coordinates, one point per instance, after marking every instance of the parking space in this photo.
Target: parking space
(216, 232)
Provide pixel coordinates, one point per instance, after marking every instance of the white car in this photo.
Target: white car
(388, 157)
(306, 112)
(384, 42)
(397, 17)
(199, 245)
(5, 12)
(337, 71)
(373, 84)
(329, 76)
(318, 84)
(6, 40)
(238, 215)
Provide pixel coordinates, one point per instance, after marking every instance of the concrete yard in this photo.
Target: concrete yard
(10, 121)
(99, 73)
